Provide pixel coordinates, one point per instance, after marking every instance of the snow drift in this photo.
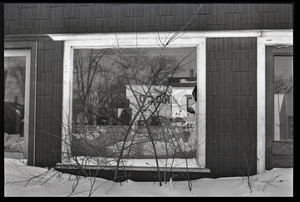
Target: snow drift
(23, 180)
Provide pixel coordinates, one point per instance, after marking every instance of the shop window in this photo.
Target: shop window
(126, 99)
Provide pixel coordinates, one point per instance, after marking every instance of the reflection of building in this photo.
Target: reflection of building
(173, 102)
(156, 100)
(182, 88)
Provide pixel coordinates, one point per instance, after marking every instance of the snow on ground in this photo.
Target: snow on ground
(44, 182)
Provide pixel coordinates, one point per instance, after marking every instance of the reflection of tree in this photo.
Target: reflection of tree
(86, 68)
(282, 85)
(161, 68)
(16, 70)
(101, 76)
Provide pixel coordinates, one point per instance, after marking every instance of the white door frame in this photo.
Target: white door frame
(262, 42)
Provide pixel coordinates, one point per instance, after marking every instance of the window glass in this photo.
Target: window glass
(283, 97)
(14, 84)
(133, 100)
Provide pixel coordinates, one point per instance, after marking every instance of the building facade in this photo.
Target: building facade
(232, 50)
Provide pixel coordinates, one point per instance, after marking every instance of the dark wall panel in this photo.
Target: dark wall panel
(50, 18)
(231, 109)
(49, 102)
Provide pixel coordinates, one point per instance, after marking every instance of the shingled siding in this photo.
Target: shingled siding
(231, 106)
(50, 18)
(48, 102)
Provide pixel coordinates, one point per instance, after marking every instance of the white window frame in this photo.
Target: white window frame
(27, 54)
(187, 39)
(130, 41)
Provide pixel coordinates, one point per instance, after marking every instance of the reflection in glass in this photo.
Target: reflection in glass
(135, 100)
(283, 97)
(14, 84)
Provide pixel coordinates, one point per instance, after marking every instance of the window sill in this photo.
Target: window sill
(135, 173)
(283, 141)
(63, 166)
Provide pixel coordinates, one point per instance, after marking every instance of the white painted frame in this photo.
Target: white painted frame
(187, 39)
(130, 41)
(27, 54)
(276, 38)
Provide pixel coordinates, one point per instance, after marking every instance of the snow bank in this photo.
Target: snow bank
(277, 182)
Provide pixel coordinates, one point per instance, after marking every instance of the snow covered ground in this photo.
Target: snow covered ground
(44, 182)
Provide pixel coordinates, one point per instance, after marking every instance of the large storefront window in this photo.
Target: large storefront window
(138, 101)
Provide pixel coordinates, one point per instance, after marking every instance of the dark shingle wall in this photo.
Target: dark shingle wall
(49, 18)
(231, 106)
(49, 102)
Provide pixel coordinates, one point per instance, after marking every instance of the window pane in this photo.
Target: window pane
(133, 100)
(14, 84)
(283, 97)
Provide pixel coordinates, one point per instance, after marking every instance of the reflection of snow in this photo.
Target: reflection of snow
(78, 136)
(13, 143)
(102, 129)
(165, 162)
(169, 142)
(144, 148)
(89, 136)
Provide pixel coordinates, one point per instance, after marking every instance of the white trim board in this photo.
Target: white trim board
(163, 35)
